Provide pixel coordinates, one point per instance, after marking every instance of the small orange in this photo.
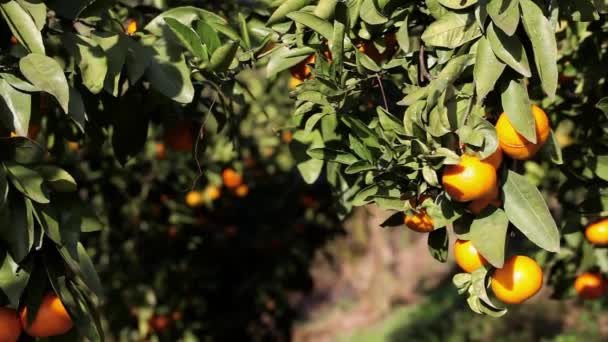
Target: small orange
(590, 285)
(514, 144)
(159, 323)
(194, 198)
(287, 137)
(180, 136)
(478, 205)
(469, 180)
(242, 190)
(467, 256)
(14, 135)
(52, 319)
(302, 71)
(597, 232)
(160, 151)
(495, 159)
(420, 222)
(13, 40)
(10, 327)
(231, 178)
(73, 146)
(294, 83)
(519, 279)
(131, 27)
(212, 192)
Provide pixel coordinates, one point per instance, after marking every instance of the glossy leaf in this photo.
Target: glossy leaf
(46, 74)
(509, 49)
(488, 233)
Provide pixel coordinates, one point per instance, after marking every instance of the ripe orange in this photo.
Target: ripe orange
(52, 318)
(10, 327)
(212, 192)
(13, 40)
(302, 71)
(131, 27)
(597, 232)
(590, 285)
(421, 221)
(242, 190)
(287, 137)
(180, 137)
(469, 180)
(73, 146)
(467, 256)
(514, 144)
(159, 323)
(519, 279)
(194, 198)
(231, 178)
(478, 205)
(160, 150)
(495, 159)
(294, 83)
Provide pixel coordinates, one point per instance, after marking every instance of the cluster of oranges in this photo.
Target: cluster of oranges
(593, 285)
(475, 181)
(52, 319)
(231, 179)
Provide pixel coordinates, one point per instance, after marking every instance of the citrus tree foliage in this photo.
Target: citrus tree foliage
(396, 92)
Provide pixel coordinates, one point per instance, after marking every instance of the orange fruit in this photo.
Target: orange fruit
(590, 285)
(231, 178)
(514, 144)
(287, 137)
(160, 150)
(180, 137)
(73, 146)
(495, 159)
(131, 27)
(478, 205)
(302, 71)
(467, 256)
(52, 319)
(294, 83)
(13, 40)
(10, 327)
(519, 279)
(159, 323)
(469, 180)
(597, 232)
(242, 190)
(194, 198)
(14, 135)
(213, 192)
(420, 222)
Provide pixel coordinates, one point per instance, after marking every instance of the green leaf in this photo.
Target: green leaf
(76, 109)
(553, 149)
(19, 83)
(22, 26)
(28, 182)
(403, 36)
(504, 14)
(187, 37)
(371, 14)
(487, 69)
(457, 4)
(169, 74)
(90, 58)
(208, 36)
(600, 166)
(17, 227)
(37, 10)
(69, 9)
(516, 104)
(488, 234)
(542, 35)
(223, 56)
(527, 210)
(46, 74)
(509, 49)
(438, 244)
(116, 49)
(603, 106)
(309, 168)
(13, 280)
(313, 22)
(57, 178)
(328, 154)
(284, 58)
(361, 131)
(389, 122)
(286, 7)
(451, 30)
(17, 117)
(185, 15)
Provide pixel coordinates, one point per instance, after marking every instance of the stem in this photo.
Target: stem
(382, 91)
(424, 72)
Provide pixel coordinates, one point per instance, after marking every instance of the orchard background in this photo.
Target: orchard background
(303, 170)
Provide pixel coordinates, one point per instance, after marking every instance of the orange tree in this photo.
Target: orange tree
(406, 105)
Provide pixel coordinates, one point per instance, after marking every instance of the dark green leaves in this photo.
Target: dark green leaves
(438, 244)
(187, 36)
(317, 24)
(452, 30)
(526, 209)
(45, 74)
(487, 70)
(286, 7)
(488, 232)
(516, 104)
(22, 26)
(542, 35)
(504, 14)
(19, 108)
(509, 49)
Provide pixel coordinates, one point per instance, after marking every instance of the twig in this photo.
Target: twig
(201, 133)
(424, 73)
(382, 91)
